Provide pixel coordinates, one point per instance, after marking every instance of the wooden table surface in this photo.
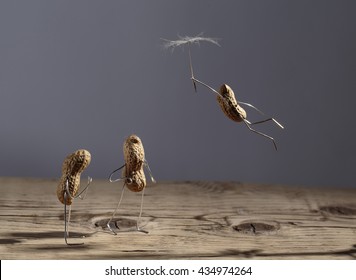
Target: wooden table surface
(185, 220)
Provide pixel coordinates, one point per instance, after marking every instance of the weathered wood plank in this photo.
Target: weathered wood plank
(185, 220)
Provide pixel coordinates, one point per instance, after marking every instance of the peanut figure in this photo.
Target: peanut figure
(132, 173)
(69, 185)
(225, 95)
(233, 110)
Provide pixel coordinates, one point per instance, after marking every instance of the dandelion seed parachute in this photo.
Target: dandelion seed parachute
(172, 44)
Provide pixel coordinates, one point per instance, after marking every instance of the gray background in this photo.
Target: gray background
(86, 74)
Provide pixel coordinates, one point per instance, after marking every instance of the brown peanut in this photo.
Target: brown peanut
(73, 165)
(134, 155)
(229, 104)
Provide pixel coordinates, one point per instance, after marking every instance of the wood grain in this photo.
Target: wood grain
(185, 220)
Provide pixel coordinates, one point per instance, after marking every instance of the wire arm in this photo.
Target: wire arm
(112, 173)
(207, 86)
(84, 190)
(149, 171)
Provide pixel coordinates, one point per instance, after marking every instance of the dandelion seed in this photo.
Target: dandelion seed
(182, 41)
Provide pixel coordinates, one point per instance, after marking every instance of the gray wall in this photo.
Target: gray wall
(86, 74)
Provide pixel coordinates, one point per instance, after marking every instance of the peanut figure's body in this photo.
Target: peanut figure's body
(229, 105)
(72, 167)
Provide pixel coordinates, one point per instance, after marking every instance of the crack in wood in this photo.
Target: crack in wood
(339, 210)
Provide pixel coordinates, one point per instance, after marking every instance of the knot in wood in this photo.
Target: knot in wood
(257, 227)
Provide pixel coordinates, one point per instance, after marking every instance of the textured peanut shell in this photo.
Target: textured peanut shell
(136, 181)
(229, 104)
(134, 155)
(73, 165)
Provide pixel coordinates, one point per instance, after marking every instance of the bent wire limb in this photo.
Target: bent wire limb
(67, 193)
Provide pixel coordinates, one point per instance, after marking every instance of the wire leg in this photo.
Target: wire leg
(266, 120)
(67, 220)
(117, 207)
(258, 110)
(260, 133)
(139, 216)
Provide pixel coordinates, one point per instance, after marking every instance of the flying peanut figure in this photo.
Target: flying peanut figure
(225, 96)
(233, 110)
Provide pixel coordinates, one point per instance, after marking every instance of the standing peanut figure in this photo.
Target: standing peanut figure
(69, 185)
(132, 173)
(225, 96)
